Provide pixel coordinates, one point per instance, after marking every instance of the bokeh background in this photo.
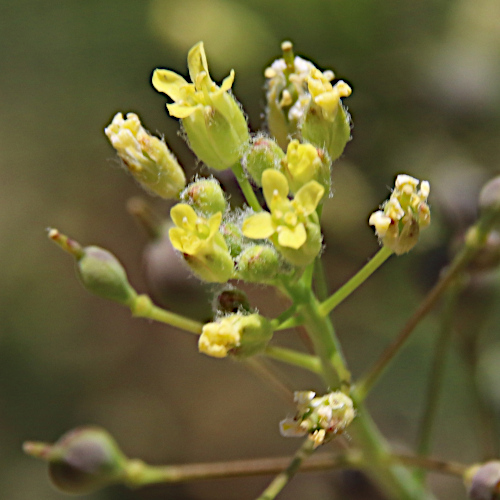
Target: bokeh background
(426, 101)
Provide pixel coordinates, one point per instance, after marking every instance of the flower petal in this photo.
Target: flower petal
(258, 226)
(169, 83)
(197, 62)
(274, 181)
(179, 110)
(308, 196)
(293, 238)
(183, 213)
(214, 223)
(227, 83)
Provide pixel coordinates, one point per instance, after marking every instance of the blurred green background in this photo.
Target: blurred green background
(426, 101)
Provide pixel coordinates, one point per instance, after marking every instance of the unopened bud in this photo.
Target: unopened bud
(483, 481)
(489, 199)
(83, 460)
(99, 270)
(146, 157)
(205, 196)
(262, 154)
(239, 335)
(233, 237)
(259, 264)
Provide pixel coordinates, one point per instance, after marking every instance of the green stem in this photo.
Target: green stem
(139, 474)
(295, 358)
(283, 317)
(475, 240)
(142, 307)
(281, 480)
(358, 279)
(395, 479)
(435, 381)
(246, 187)
(322, 334)
(320, 284)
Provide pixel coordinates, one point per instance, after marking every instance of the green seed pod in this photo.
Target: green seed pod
(99, 270)
(205, 196)
(262, 154)
(259, 264)
(83, 460)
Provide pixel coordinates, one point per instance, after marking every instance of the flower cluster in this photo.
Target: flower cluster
(320, 418)
(398, 223)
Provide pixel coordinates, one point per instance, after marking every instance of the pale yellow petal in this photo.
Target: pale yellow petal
(258, 226)
(214, 223)
(181, 110)
(175, 234)
(273, 182)
(197, 61)
(227, 83)
(308, 196)
(169, 83)
(183, 213)
(292, 238)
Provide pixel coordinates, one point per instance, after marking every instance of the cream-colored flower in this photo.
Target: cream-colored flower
(398, 223)
(146, 157)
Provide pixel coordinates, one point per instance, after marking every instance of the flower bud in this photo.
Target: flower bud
(304, 163)
(483, 481)
(262, 154)
(238, 335)
(231, 300)
(320, 418)
(205, 196)
(233, 237)
(287, 95)
(99, 270)
(326, 123)
(83, 460)
(214, 123)
(398, 223)
(489, 199)
(259, 264)
(146, 157)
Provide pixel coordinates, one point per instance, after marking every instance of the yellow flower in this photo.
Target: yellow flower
(238, 334)
(305, 163)
(326, 95)
(399, 222)
(147, 158)
(214, 123)
(326, 123)
(201, 243)
(292, 225)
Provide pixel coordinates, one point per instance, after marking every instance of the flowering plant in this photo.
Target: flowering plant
(277, 245)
